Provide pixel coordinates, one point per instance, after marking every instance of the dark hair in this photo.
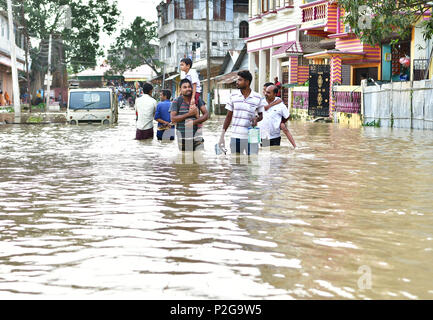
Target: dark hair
(246, 75)
(185, 81)
(166, 93)
(268, 84)
(276, 90)
(147, 87)
(187, 61)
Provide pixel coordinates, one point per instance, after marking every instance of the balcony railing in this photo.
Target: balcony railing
(420, 68)
(317, 12)
(348, 102)
(300, 99)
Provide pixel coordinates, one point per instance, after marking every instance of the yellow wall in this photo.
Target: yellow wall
(350, 120)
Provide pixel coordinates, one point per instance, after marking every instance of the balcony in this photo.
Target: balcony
(315, 15)
(5, 59)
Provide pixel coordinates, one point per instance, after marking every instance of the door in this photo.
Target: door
(359, 73)
(319, 89)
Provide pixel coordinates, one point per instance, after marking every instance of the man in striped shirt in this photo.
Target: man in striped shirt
(245, 108)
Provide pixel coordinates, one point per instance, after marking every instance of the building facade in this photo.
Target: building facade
(182, 32)
(276, 45)
(5, 54)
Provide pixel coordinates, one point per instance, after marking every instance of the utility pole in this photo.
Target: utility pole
(27, 46)
(16, 87)
(49, 74)
(209, 101)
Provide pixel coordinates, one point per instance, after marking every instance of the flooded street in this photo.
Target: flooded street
(88, 212)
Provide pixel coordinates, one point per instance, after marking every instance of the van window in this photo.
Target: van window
(89, 100)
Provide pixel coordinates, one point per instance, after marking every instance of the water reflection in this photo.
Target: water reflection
(89, 212)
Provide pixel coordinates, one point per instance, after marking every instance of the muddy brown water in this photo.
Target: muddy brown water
(89, 212)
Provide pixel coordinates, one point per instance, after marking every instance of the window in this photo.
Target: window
(184, 9)
(265, 5)
(89, 100)
(195, 46)
(219, 10)
(243, 30)
(225, 44)
(2, 21)
(169, 50)
(303, 61)
(215, 44)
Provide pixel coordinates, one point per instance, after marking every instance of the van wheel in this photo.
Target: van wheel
(106, 122)
(73, 122)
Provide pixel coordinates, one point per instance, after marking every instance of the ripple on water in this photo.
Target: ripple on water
(87, 211)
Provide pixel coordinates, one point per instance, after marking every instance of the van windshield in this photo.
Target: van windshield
(89, 100)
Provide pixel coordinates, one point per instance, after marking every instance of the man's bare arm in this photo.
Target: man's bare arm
(175, 118)
(204, 117)
(276, 102)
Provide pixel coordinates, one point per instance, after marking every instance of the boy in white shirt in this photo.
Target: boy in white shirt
(192, 76)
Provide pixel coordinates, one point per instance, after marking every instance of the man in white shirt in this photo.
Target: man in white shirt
(145, 107)
(283, 125)
(272, 118)
(242, 108)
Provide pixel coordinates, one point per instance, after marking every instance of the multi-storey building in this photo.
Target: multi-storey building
(276, 46)
(182, 32)
(5, 54)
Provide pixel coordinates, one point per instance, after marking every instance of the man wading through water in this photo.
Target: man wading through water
(242, 108)
(189, 134)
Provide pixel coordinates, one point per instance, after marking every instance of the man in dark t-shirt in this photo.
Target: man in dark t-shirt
(188, 126)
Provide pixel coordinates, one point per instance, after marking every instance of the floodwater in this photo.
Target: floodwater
(88, 212)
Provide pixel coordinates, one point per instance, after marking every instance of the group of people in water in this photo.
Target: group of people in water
(184, 116)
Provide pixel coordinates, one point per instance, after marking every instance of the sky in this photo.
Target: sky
(130, 9)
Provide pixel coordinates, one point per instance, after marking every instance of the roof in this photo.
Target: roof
(143, 72)
(228, 78)
(172, 77)
(241, 58)
(291, 48)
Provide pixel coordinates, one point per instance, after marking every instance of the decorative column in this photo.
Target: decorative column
(252, 68)
(335, 79)
(262, 69)
(293, 76)
(272, 66)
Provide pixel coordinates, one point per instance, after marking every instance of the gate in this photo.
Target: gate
(319, 89)
(420, 68)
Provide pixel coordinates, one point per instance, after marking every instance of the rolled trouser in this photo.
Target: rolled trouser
(190, 144)
(242, 146)
(276, 142)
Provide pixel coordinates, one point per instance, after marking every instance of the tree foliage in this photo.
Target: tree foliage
(80, 39)
(375, 21)
(133, 47)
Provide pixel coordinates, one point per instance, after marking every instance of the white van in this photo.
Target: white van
(98, 105)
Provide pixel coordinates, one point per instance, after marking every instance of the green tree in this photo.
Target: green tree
(374, 21)
(133, 47)
(75, 44)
